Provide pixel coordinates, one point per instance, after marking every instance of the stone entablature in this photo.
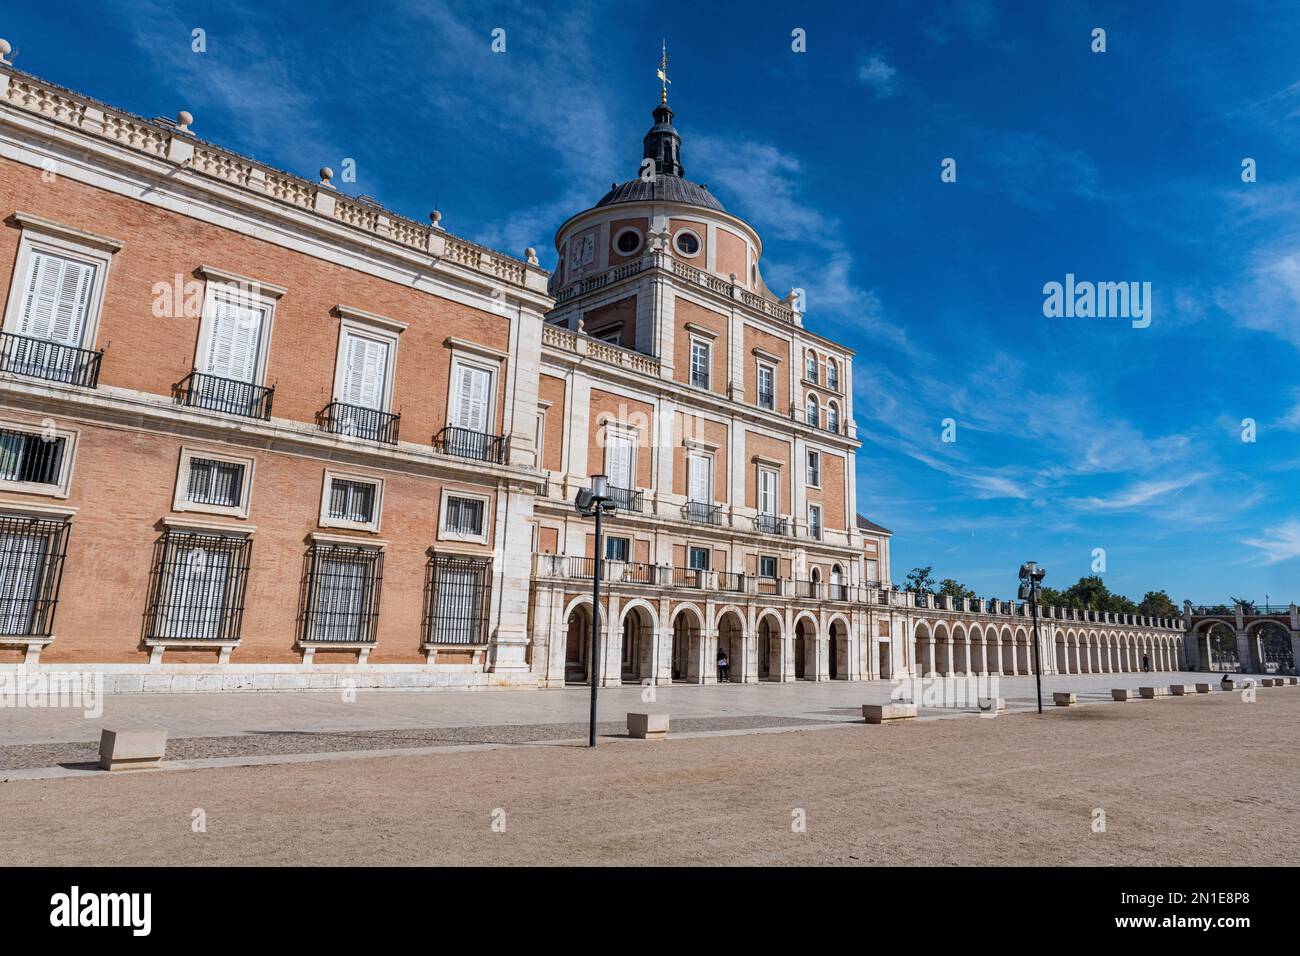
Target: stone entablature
(180, 148)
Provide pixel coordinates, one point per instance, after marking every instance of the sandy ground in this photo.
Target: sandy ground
(1182, 781)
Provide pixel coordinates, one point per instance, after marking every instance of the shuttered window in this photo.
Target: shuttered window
(56, 298)
(473, 396)
(234, 339)
(618, 460)
(766, 492)
(365, 371)
(701, 479)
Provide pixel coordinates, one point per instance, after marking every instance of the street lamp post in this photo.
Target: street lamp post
(1031, 582)
(595, 502)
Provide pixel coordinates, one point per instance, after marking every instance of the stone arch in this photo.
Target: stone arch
(1008, 650)
(1271, 642)
(577, 638)
(1024, 653)
(687, 637)
(807, 638)
(922, 642)
(734, 643)
(977, 656)
(838, 630)
(960, 650)
(637, 631)
(768, 637)
(1218, 643)
(942, 650)
(1061, 652)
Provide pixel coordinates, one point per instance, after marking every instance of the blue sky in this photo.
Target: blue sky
(1072, 433)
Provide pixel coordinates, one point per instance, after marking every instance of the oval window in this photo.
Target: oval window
(688, 244)
(628, 242)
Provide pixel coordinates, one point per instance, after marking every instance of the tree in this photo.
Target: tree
(1157, 604)
(920, 581)
(952, 589)
(1090, 592)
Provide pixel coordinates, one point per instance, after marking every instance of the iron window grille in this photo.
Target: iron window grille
(341, 594)
(464, 515)
(214, 482)
(30, 457)
(352, 500)
(198, 587)
(31, 571)
(457, 591)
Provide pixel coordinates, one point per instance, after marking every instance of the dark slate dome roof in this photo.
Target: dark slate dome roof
(664, 188)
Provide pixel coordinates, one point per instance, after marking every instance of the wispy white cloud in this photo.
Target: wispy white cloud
(1137, 495)
(1280, 543)
(875, 73)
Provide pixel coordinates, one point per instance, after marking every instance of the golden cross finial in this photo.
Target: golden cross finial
(662, 73)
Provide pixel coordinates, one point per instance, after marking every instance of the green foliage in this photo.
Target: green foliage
(920, 581)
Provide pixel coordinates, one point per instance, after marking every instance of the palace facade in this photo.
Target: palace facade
(258, 434)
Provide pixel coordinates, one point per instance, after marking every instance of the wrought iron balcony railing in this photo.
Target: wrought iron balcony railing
(37, 358)
(467, 443)
(625, 499)
(731, 581)
(697, 512)
(772, 524)
(200, 390)
(340, 418)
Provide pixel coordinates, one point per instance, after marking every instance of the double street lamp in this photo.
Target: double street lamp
(1031, 584)
(595, 502)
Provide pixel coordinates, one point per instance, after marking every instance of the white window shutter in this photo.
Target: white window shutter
(365, 372)
(472, 398)
(699, 480)
(55, 299)
(618, 460)
(233, 341)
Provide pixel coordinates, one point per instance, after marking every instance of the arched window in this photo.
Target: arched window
(832, 417)
(814, 413)
(810, 367)
(832, 374)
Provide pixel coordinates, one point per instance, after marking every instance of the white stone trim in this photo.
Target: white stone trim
(364, 328)
(181, 504)
(360, 316)
(69, 234)
(40, 235)
(70, 436)
(199, 524)
(326, 521)
(444, 534)
(252, 287)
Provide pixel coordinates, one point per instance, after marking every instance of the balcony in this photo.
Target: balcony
(339, 418)
(772, 524)
(626, 499)
(37, 358)
(466, 443)
(200, 390)
(697, 512)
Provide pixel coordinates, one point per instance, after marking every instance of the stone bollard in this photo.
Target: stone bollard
(647, 726)
(888, 713)
(1266, 682)
(1120, 694)
(1203, 688)
(1227, 685)
(995, 705)
(132, 749)
(1293, 681)
(1151, 693)
(1181, 690)
(1064, 699)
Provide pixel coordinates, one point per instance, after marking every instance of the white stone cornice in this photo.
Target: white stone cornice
(233, 278)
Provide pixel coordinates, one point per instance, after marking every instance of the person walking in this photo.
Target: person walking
(724, 667)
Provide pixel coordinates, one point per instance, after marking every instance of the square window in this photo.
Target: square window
(464, 516)
(215, 482)
(342, 598)
(617, 549)
(352, 500)
(767, 566)
(699, 559)
(30, 457)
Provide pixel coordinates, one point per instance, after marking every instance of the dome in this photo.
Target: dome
(663, 188)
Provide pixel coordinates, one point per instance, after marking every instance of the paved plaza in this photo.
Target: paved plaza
(966, 790)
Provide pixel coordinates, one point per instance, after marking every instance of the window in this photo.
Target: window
(872, 572)
(213, 482)
(619, 448)
(767, 566)
(617, 549)
(815, 522)
(456, 600)
(628, 241)
(613, 334)
(700, 362)
(832, 417)
(352, 501)
(767, 491)
(31, 566)
(699, 559)
(31, 458)
(230, 364)
(814, 416)
(766, 386)
(832, 374)
(810, 367)
(342, 601)
(464, 516)
(199, 585)
(687, 243)
(700, 490)
(815, 469)
(472, 397)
